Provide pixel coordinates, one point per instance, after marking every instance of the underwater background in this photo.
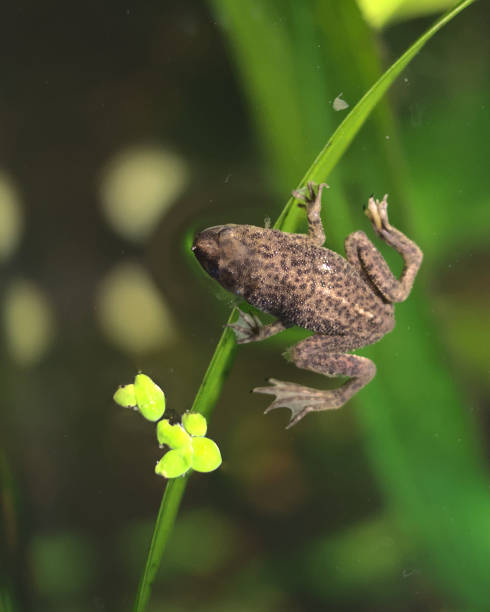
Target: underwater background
(124, 129)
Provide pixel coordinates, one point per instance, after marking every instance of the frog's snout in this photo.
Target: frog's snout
(206, 249)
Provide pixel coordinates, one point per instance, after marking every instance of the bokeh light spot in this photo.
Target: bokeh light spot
(132, 312)
(378, 13)
(138, 186)
(10, 217)
(28, 322)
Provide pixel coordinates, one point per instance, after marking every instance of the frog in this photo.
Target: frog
(347, 302)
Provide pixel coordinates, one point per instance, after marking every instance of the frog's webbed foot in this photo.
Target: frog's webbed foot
(313, 354)
(300, 400)
(307, 195)
(377, 212)
(249, 328)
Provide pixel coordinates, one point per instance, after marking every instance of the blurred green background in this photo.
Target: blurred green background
(124, 129)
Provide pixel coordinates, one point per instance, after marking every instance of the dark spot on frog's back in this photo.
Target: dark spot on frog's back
(266, 254)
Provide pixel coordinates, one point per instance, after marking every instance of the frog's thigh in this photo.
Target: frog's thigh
(362, 254)
(369, 262)
(315, 354)
(321, 354)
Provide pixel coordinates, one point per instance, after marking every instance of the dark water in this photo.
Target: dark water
(125, 129)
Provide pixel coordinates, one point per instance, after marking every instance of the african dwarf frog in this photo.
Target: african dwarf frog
(348, 303)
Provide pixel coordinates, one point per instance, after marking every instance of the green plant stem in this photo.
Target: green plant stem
(221, 361)
(337, 144)
(167, 513)
(204, 402)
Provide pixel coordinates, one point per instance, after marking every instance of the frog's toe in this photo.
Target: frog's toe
(247, 327)
(307, 195)
(377, 211)
(300, 400)
(383, 211)
(300, 195)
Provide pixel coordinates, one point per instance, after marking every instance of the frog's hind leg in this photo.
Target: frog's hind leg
(320, 354)
(362, 254)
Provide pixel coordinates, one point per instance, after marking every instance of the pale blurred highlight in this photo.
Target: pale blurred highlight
(132, 312)
(28, 322)
(10, 217)
(138, 186)
(382, 12)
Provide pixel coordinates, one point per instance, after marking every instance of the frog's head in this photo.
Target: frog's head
(206, 249)
(222, 252)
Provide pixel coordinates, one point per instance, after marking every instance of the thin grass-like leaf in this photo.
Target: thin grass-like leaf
(342, 137)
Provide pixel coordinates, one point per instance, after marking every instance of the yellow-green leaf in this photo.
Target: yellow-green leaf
(150, 398)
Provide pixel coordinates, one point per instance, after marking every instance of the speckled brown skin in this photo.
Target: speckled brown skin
(348, 303)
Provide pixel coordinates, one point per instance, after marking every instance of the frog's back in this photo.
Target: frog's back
(310, 286)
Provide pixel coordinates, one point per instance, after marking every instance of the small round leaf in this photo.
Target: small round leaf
(175, 463)
(195, 423)
(206, 456)
(174, 436)
(125, 396)
(150, 398)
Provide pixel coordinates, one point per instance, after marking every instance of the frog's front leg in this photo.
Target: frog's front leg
(362, 254)
(249, 328)
(321, 354)
(313, 203)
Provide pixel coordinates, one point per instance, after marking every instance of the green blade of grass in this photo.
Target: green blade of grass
(220, 364)
(169, 507)
(204, 402)
(350, 126)
(253, 28)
